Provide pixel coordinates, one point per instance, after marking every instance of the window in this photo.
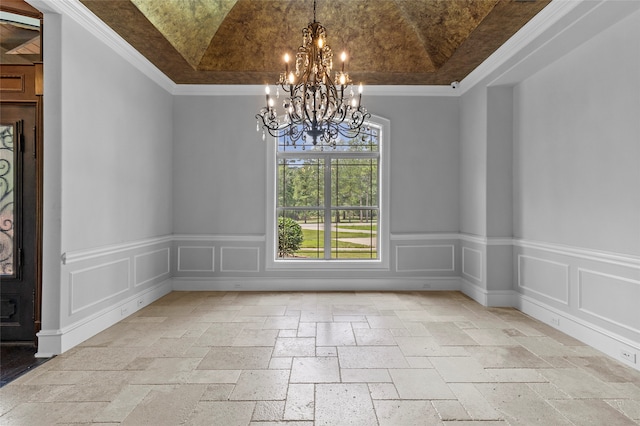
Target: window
(328, 202)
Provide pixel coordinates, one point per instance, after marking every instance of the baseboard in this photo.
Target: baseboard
(54, 342)
(316, 284)
(490, 298)
(603, 340)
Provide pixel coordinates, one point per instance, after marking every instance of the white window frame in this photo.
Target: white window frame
(383, 261)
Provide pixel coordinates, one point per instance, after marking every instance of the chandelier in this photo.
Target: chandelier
(315, 105)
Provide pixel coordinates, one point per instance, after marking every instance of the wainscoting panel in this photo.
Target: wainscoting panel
(472, 263)
(425, 258)
(544, 277)
(196, 259)
(90, 286)
(612, 298)
(152, 266)
(588, 294)
(102, 285)
(239, 259)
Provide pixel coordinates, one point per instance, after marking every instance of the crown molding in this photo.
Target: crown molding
(258, 90)
(536, 27)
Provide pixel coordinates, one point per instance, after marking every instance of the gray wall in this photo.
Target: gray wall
(108, 186)
(116, 153)
(576, 165)
(577, 146)
(473, 161)
(220, 166)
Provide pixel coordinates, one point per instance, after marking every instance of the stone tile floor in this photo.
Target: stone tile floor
(352, 358)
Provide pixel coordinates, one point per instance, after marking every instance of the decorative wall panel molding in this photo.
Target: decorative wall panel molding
(472, 263)
(151, 266)
(609, 297)
(544, 277)
(581, 253)
(196, 258)
(219, 237)
(94, 253)
(425, 258)
(240, 259)
(424, 237)
(95, 284)
(602, 339)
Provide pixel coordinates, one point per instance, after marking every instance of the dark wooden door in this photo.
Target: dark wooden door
(18, 221)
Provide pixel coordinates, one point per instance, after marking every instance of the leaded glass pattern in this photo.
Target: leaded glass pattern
(7, 200)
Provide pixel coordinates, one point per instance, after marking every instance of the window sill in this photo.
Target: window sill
(326, 265)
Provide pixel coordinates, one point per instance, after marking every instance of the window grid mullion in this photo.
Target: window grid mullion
(327, 208)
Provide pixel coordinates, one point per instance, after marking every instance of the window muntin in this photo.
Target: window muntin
(339, 187)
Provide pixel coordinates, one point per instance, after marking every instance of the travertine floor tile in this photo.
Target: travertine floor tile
(627, 407)
(461, 370)
(315, 370)
(228, 413)
(427, 346)
(92, 359)
(520, 405)
(280, 363)
(393, 413)
(166, 405)
(330, 358)
(449, 334)
(578, 383)
(251, 337)
(33, 413)
(334, 334)
(261, 385)
(307, 329)
(365, 375)
(236, 358)
(386, 322)
(450, 410)
(257, 311)
(284, 322)
(383, 391)
(268, 411)
(220, 334)
(344, 404)
(420, 384)
(371, 357)
(374, 337)
(295, 346)
(474, 402)
(593, 412)
(300, 403)
(506, 357)
(217, 392)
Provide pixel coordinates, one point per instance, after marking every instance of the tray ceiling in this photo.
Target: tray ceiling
(389, 42)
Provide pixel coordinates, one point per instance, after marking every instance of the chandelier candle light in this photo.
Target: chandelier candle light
(314, 104)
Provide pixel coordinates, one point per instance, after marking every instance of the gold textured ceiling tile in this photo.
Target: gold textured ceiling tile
(376, 36)
(377, 39)
(388, 41)
(189, 25)
(443, 25)
(253, 36)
